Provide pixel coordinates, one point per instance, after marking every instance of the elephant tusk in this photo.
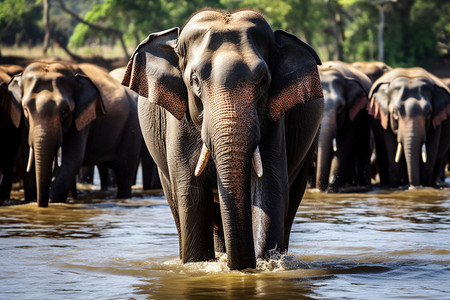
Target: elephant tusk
(334, 145)
(398, 154)
(257, 163)
(424, 154)
(59, 159)
(30, 160)
(202, 161)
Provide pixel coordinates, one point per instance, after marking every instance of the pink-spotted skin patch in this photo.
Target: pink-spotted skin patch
(153, 72)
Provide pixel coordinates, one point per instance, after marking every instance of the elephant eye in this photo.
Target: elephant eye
(195, 84)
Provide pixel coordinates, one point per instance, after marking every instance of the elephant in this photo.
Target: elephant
(230, 112)
(150, 177)
(410, 109)
(75, 115)
(343, 156)
(373, 69)
(9, 135)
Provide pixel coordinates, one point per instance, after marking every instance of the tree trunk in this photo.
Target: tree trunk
(46, 25)
(380, 33)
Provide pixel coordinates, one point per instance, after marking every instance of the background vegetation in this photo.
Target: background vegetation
(399, 32)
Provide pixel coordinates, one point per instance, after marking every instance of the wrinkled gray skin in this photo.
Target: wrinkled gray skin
(76, 115)
(343, 157)
(150, 177)
(228, 82)
(411, 108)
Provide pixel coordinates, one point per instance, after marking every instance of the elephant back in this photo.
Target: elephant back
(348, 72)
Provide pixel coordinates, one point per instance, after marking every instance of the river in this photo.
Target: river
(375, 245)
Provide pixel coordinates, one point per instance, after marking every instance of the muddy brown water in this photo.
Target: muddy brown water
(374, 245)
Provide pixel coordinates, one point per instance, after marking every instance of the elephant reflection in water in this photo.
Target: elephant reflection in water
(75, 115)
(410, 108)
(343, 156)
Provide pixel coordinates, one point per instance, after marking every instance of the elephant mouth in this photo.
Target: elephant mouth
(398, 153)
(58, 159)
(205, 154)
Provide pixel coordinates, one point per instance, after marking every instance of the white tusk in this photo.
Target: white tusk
(398, 154)
(334, 145)
(202, 161)
(30, 160)
(59, 159)
(257, 164)
(424, 154)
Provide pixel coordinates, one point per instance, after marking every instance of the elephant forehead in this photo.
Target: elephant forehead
(411, 85)
(213, 29)
(217, 18)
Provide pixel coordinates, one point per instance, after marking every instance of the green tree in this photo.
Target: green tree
(18, 19)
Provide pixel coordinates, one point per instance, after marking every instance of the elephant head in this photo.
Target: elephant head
(345, 91)
(55, 98)
(230, 75)
(411, 103)
(373, 69)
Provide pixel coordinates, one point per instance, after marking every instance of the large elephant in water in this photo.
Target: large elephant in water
(76, 115)
(228, 104)
(343, 156)
(411, 108)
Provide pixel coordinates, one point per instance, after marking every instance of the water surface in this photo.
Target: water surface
(377, 245)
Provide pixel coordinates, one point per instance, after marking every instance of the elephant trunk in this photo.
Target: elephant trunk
(233, 146)
(326, 147)
(412, 143)
(44, 146)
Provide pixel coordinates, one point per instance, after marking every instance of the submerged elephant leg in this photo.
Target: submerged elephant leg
(196, 224)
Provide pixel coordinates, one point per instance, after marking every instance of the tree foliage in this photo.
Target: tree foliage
(415, 32)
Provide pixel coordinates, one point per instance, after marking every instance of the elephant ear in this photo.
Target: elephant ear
(154, 73)
(356, 91)
(441, 104)
(89, 103)
(12, 101)
(295, 78)
(378, 105)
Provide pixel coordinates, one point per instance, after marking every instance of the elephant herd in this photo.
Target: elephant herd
(58, 116)
(383, 122)
(238, 118)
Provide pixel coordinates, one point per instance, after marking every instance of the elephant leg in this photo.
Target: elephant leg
(6, 179)
(219, 237)
(127, 161)
(73, 149)
(86, 175)
(195, 207)
(341, 162)
(124, 179)
(270, 192)
(150, 179)
(166, 186)
(296, 192)
(427, 176)
(397, 170)
(363, 153)
(107, 177)
(380, 152)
